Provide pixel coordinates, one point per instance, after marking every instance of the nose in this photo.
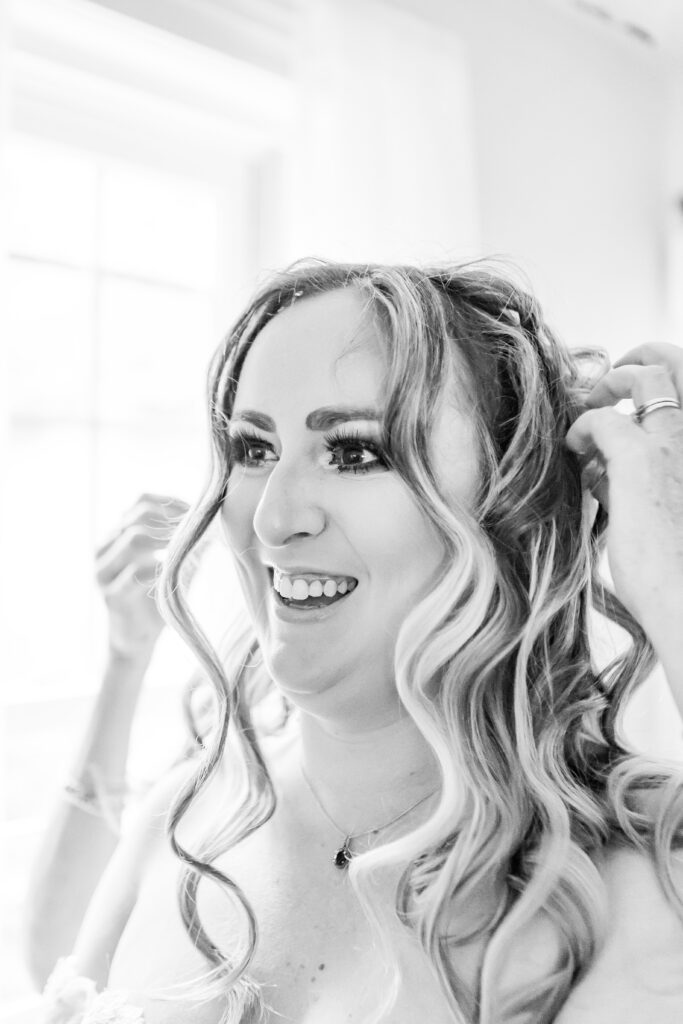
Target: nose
(288, 508)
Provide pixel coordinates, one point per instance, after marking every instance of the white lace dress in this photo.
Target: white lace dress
(69, 998)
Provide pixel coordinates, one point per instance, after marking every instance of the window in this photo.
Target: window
(112, 315)
(133, 235)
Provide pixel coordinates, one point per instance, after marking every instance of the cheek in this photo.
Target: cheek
(236, 523)
(421, 551)
(237, 516)
(399, 542)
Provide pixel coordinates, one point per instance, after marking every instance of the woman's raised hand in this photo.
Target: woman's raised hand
(126, 567)
(639, 478)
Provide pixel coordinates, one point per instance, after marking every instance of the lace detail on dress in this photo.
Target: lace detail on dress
(69, 998)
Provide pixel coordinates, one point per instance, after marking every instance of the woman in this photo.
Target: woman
(450, 826)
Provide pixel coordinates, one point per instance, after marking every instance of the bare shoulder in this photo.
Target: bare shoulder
(638, 975)
(116, 893)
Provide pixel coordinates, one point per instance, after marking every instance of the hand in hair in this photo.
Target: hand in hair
(643, 485)
(127, 566)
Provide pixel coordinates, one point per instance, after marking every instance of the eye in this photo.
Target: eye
(250, 451)
(351, 453)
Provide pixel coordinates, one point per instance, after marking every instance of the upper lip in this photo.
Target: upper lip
(300, 570)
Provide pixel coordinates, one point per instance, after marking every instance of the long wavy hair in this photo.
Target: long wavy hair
(494, 666)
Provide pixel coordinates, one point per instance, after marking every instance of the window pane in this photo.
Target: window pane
(50, 352)
(53, 191)
(156, 346)
(159, 227)
(131, 461)
(50, 569)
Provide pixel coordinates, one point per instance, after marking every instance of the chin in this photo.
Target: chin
(299, 676)
(310, 678)
(343, 691)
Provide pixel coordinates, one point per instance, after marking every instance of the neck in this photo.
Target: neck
(364, 778)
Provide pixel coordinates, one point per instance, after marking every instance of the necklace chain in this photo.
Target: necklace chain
(343, 854)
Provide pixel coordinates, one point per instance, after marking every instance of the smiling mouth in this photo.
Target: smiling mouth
(310, 590)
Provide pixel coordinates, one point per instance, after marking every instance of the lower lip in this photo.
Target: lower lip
(290, 613)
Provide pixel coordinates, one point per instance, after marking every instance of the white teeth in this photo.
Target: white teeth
(298, 589)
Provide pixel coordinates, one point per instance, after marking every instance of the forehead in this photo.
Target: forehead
(328, 350)
(321, 349)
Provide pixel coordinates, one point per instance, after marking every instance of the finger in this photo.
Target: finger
(155, 510)
(605, 433)
(594, 479)
(643, 384)
(132, 542)
(153, 498)
(131, 578)
(137, 550)
(670, 356)
(159, 520)
(134, 576)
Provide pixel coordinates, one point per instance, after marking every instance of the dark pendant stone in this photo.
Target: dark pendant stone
(342, 857)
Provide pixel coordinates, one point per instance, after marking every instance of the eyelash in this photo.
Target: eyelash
(240, 443)
(353, 439)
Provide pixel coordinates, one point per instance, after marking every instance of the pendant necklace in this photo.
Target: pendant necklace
(344, 853)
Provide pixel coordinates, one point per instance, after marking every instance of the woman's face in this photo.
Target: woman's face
(331, 546)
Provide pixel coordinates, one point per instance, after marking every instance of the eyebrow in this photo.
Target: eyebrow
(329, 416)
(257, 419)
(325, 418)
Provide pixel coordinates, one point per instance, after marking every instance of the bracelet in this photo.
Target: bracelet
(106, 804)
(89, 800)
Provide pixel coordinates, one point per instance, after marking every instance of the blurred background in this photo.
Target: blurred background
(160, 156)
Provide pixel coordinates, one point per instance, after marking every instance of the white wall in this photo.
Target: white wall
(675, 209)
(569, 127)
(382, 167)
